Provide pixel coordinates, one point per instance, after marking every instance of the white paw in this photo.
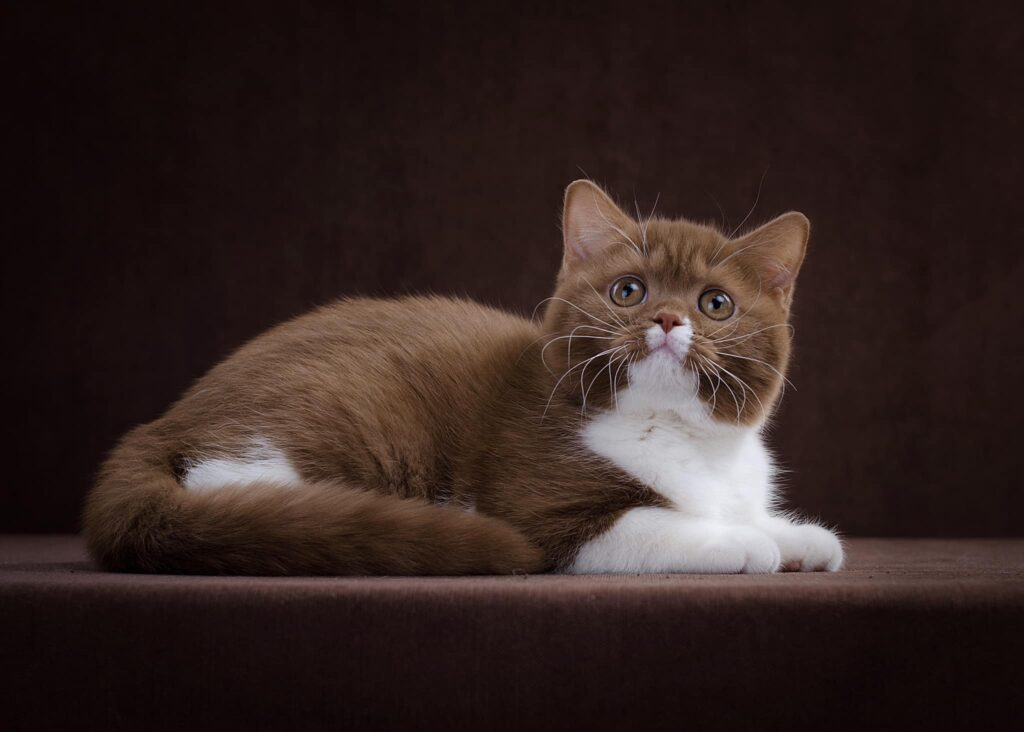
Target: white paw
(811, 548)
(740, 549)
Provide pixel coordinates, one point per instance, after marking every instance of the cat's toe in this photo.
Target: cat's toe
(721, 557)
(818, 550)
(762, 554)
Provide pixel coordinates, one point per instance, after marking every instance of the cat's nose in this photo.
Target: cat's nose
(667, 320)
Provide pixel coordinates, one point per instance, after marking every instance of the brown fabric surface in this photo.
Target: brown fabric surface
(182, 177)
(918, 633)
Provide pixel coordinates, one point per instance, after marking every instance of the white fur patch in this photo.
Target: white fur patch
(717, 476)
(262, 462)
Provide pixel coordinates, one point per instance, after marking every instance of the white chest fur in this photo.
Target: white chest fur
(721, 474)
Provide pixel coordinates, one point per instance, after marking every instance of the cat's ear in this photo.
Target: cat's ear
(591, 223)
(775, 252)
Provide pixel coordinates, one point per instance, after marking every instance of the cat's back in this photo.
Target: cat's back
(399, 331)
(365, 355)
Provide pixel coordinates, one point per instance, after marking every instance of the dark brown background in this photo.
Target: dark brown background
(180, 179)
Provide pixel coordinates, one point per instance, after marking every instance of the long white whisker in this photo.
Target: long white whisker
(728, 238)
(756, 199)
(744, 385)
(607, 306)
(741, 250)
(746, 336)
(734, 324)
(574, 305)
(714, 389)
(569, 338)
(724, 383)
(590, 386)
(615, 381)
(618, 230)
(757, 360)
(569, 371)
(585, 392)
(613, 378)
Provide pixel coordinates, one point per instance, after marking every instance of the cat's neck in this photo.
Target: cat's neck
(678, 409)
(682, 413)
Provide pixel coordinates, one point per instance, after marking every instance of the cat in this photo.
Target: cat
(620, 433)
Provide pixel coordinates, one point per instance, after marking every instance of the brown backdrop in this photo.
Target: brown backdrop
(180, 179)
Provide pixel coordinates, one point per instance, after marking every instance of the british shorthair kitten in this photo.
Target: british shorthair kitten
(429, 435)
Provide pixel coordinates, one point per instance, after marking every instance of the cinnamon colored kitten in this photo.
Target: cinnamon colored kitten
(621, 433)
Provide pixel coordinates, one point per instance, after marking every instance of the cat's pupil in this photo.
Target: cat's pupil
(717, 302)
(628, 290)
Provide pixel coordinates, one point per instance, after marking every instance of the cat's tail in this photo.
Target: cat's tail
(138, 518)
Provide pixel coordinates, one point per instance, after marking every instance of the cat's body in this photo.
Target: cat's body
(437, 436)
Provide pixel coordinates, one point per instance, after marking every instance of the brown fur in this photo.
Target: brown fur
(399, 413)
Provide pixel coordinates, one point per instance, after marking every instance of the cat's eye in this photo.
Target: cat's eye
(628, 291)
(716, 304)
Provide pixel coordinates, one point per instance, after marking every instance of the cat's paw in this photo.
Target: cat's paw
(741, 550)
(810, 548)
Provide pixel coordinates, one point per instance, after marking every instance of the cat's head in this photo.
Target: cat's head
(668, 314)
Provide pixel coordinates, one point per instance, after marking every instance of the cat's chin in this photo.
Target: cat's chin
(664, 363)
(660, 382)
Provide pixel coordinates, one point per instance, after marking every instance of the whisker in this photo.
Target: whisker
(569, 350)
(734, 324)
(724, 383)
(615, 334)
(721, 213)
(615, 228)
(748, 358)
(574, 305)
(615, 380)
(756, 199)
(590, 386)
(586, 392)
(714, 389)
(645, 223)
(741, 250)
(569, 371)
(746, 336)
(745, 386)
(607, 306)
(700, 368)
(728, 238)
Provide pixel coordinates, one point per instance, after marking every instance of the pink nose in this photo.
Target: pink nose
(667, 320)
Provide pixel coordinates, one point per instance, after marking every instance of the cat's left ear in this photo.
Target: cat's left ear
(775, 252)
(591, 223)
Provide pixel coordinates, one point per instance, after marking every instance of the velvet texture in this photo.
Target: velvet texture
(183, 177)
(916, 634)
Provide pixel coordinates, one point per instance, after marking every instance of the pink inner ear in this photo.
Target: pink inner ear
(777, 276)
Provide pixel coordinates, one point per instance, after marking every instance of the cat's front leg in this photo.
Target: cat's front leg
(805, 547)
(655, 540)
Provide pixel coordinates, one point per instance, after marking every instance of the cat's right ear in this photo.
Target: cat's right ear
(591, 223)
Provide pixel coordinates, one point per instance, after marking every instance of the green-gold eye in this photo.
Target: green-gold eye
(716, 304)
(628, 291)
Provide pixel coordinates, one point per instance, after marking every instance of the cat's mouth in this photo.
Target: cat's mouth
(673, 344)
